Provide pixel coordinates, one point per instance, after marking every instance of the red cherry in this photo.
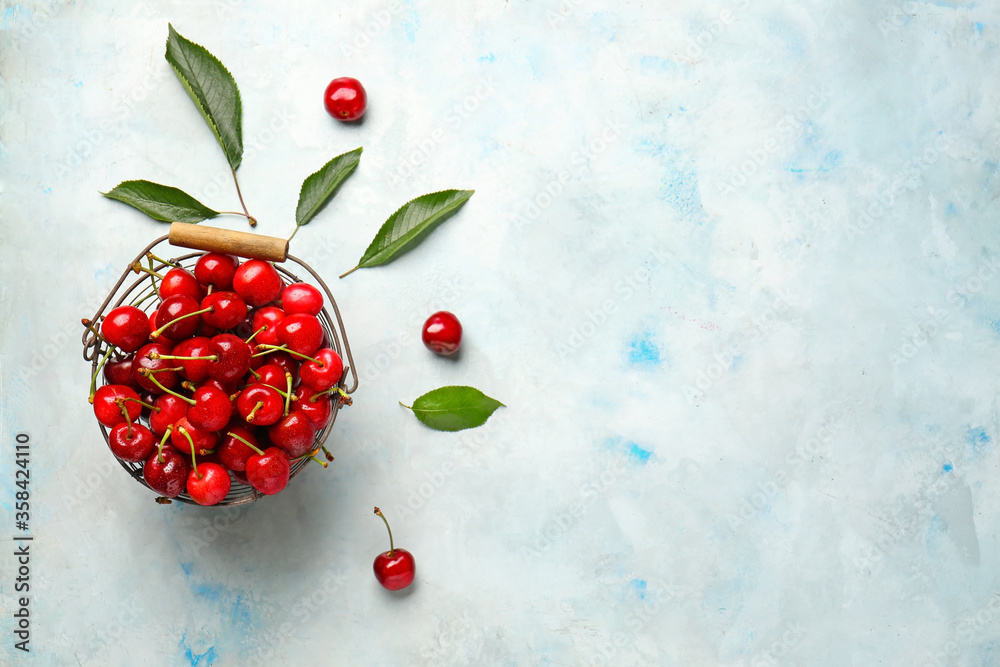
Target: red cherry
(345, 99)
(217, 270)
(208, 483)
(301, 333)
(233, 357)
(260, 405)
(126, 327)
(180, 281)
(120, 372)
(234, 452)
(268, 472)
(269, 316)
(203, 441)
(145, 361)
(166, 472)
(442, 333)
(395, 568)
(168, 410)
(323, 377)
(284, 361)
(134, 448)
(109, 399)
(211, 410)
(317, 406)
(227, 310)
(257, 282)
(152, 319)
(195, 370)
(301, 298)
(176, 318)
(240, 477)
(295, 433)
(272, 375)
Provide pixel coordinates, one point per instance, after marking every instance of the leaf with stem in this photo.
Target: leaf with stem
(319, 188)
(408, 226)
(161, 202)
(454, 408)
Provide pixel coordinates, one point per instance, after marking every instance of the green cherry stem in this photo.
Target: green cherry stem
(93, 378)
(139, 302)
(150, 256)
(252, 220)
(194, 461)
(329, 456)
(288, 396)
(142, 403)
(159, 332)
(344, 398)
(146, 373)
(163, 441)
(139, 268)
(283, 348)
(157, 355)
(311, 455)
(244, 441)
(254, 334)
(350, 272)
(257, 407)
(128, 419)
(386, 522)
(90, 327)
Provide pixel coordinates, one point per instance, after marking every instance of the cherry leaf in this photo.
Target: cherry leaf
(319, 188)
(408, 226)
(161, 202)
(212, 89)
(454, 408)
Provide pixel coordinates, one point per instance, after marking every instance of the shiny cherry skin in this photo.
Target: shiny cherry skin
(195, 370)
(322, 377)
(126, 327)
(166, 472)
(260, 405)
(180, 281)
(345, 99)
(269, 472)
(301, 333)
(233, 358)
(216, 270)
(233, 452)
(227, 310)
(395, 568)
(272, 375)
(442, 333)
(318, 407)
(208, 483)
(109, 400)
(134, 448)
(120, 372)
(267, 316)
(203, 441)
(178, 312)
(168, 410)
(301, 298)
(212, 409)
(144, 360)
(295, 433)
(257, 282)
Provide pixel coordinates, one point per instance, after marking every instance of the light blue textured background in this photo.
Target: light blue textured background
(732, 266)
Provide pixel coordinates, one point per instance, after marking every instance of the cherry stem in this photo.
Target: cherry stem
(128, 419)
(194, 461)
(150, 256)
(288, 396)
(244, 441)
(250, 218)
(257, 407)
(139, 268)
(159, 332)
(282, 348)
(391, 547)
(350, 272)
(311, 455)
(255, 374)
(297, 227)
(142, 403)
(254, 334)
(146, 373)
(343, 396)
(90, 327)
(157, 355)
(138, 303)
(329, 456)
(93, 378)
(163, 441)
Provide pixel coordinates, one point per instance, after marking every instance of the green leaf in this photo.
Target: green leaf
(212, 89)
(318, 188)
(408, 226)
(454, 408)
(161, 202)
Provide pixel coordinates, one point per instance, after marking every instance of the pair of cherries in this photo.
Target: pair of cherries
(246, 406)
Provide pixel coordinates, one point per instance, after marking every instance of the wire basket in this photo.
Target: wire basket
(209, 239)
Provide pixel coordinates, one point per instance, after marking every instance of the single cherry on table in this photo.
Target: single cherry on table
(345, 99)
(395, 568)
(442, 333)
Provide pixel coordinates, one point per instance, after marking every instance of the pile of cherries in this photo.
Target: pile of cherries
(228, 379)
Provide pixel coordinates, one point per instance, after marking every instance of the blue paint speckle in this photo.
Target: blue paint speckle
(187, 568)
(196, 659)
(979, 27)
(488, 58)
(656, 65)
(78, 84)
(638, 454)
(638, 586)
(643, 351)
(947, 467)
(977, 440)
(679, 183)
(950, 209)
(412, 22)
(47, 191)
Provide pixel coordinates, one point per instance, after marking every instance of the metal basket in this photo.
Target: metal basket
(246, 245)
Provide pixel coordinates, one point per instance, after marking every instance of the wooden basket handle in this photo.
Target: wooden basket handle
(214, 239)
